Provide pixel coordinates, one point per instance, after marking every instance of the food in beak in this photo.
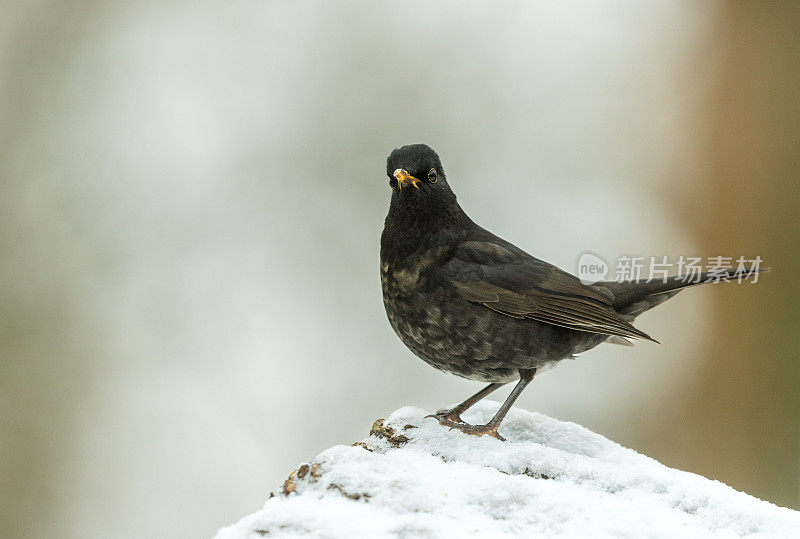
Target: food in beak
(404, 178)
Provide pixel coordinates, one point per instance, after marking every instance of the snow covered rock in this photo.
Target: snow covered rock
(414, 478)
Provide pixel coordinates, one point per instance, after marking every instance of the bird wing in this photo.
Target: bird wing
(507, 280)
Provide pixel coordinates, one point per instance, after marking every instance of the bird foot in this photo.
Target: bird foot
(475, 430)
(447, 418)
(479, 430)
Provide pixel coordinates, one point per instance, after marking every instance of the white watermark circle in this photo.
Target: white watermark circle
(591, 268)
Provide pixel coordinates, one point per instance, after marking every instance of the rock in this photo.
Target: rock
(414, 478)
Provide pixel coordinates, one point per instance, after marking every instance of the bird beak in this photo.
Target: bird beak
(404, 178)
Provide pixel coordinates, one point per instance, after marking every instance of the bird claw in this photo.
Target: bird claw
(479, 430)
(446, 418)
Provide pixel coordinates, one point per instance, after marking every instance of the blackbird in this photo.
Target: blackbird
(472, 304)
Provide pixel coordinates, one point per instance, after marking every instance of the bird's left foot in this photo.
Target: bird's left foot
(475, 430)
(479, 430)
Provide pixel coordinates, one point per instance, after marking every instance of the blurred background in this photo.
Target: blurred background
(191, 200)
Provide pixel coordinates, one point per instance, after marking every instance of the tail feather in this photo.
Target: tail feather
(635, 297)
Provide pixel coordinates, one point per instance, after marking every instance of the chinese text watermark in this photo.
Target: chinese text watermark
(688, 269)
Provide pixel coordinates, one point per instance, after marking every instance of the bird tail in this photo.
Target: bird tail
(632, 298)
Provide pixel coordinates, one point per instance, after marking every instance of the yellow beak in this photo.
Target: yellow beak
(404, 178)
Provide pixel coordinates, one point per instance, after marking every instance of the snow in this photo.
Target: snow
(414, 478)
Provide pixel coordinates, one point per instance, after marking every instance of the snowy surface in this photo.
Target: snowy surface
(414, 478)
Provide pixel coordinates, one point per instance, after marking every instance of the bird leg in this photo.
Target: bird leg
(490, 428)
(453, 416)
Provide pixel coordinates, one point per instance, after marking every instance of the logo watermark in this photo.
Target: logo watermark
(689, 269)
(591, 268)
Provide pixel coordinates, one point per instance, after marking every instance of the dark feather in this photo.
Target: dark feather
(494, 273)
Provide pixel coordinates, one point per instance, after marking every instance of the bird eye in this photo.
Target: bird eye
(432, 175)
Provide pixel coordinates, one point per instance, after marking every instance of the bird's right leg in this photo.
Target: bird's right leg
(453, 416)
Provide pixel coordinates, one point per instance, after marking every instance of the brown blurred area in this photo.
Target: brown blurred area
(191, 196)
(744, 405)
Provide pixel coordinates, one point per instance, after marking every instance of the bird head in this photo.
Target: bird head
(415, 166)
(420, 193)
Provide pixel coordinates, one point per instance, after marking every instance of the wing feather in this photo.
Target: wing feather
(511, 282)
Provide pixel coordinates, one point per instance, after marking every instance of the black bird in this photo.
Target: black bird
(470, 303)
